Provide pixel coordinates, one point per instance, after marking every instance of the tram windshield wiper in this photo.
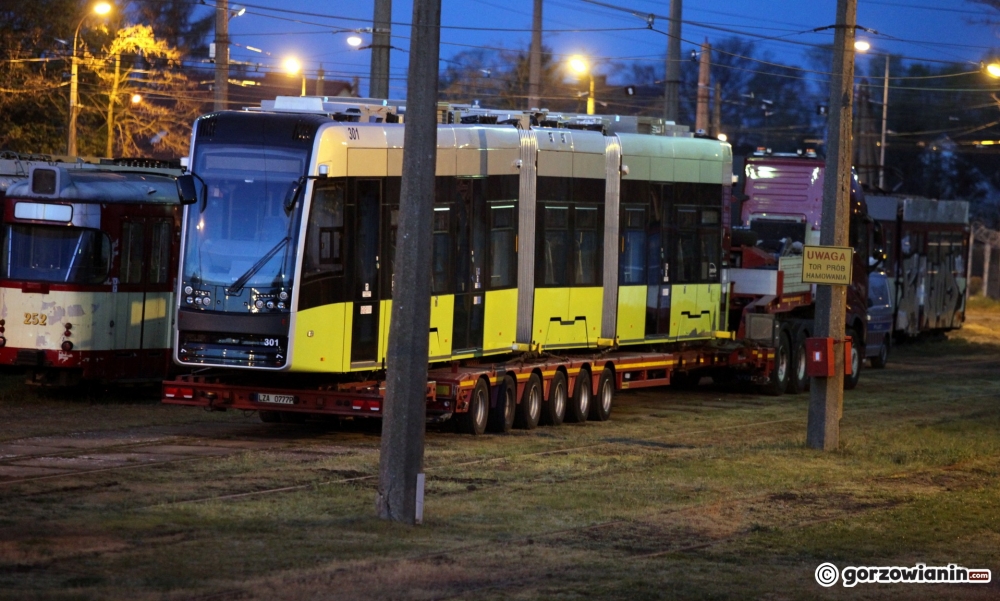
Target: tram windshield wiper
(241, 281)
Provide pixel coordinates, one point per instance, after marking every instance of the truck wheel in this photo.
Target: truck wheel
(879, 361)
(554, 409)
(501, 417)
(578, 409)
(474, 420)
(798, 381)
(600, 407)
(270, 417)
(782, 367)
(857, 352)
(530, 409)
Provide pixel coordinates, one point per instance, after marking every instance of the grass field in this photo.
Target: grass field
(705, 494)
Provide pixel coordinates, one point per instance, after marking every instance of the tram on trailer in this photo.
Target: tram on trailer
(571, 255)
(87, 271)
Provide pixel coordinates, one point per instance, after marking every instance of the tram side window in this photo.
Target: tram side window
(323, 261)
(686, 252)
(709, 237)
(632, 265)
(555, 246)
(587, 255)
(503, 256)
(159, 258)
(56, 254)
(131, 261)
(441, 260)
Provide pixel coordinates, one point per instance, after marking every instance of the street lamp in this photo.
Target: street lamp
(582, 67)
(294, 67)
(101, 8)
(863, 46)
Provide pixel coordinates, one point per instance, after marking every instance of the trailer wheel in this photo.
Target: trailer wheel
(798, 381)
(577, 410)
(857, 352)
(474, 420)
(782, 367)
(270, 417)
(501, 417)
(600, 408)
(554, 408)
(530, 409)
(879, 360)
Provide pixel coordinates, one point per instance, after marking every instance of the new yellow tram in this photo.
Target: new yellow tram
(545, 237)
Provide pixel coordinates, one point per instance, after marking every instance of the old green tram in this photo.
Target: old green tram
(544, 239)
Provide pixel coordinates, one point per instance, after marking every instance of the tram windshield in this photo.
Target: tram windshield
(55, 254)
(241, 231)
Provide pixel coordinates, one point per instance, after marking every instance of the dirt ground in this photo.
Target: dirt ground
(702, 494)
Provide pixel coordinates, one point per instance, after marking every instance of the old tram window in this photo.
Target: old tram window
(131, 261)
(159, 257)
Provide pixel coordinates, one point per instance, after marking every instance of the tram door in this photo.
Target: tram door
(471, 231)
(141, 330)
(365, 322)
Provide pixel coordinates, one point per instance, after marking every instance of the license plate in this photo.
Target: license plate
(278, 399)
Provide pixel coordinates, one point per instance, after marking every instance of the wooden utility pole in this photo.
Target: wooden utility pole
(827, 397)
(378, 84)
(535, 59)
(717, 111)
(672, 83)
(405, 409)
(221, 54)
(704, 82)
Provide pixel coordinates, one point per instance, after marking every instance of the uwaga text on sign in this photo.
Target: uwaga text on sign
(827, 264)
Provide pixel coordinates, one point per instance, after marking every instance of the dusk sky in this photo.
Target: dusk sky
(925, 30)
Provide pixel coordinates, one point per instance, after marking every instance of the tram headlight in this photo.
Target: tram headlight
(280, 306)
(197, 300)
(282, 295)
(67, 346)
(259, 304)
(188, 289)
(270, 304)
(189, 300)
(207, 300)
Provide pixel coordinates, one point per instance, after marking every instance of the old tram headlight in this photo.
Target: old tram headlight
(67, 346)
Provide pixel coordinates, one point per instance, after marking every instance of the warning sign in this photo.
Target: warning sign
(827, 264)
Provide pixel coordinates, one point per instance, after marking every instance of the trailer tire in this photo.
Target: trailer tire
(798, 381)
(529, 411)
(879, 360)
(600, 405)
(474, 420)
(554, 408)
(778, 379)
(501, 418)
(857, 352)
(578, 409)
(270, 417)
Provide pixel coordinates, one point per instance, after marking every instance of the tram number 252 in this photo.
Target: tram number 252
(35, 319)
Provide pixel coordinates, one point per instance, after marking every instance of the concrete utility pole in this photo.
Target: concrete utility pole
(400, 490)
(378, 84)
(672, 85)
(704, 81)
(827, 397)
(535, 59)
(221, 54)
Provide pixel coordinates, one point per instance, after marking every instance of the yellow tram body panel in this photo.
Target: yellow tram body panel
(322, 338)
(567, 317)
(631, 318)
(500, 321)
(442, 321)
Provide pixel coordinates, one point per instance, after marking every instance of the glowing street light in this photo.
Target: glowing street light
(294, 67)
(354, 41)
(580, 65)
(136, 98)
(862, 46)
(101, 8)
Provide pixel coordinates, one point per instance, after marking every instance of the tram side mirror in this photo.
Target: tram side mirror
(292, 196)
(187, 190)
